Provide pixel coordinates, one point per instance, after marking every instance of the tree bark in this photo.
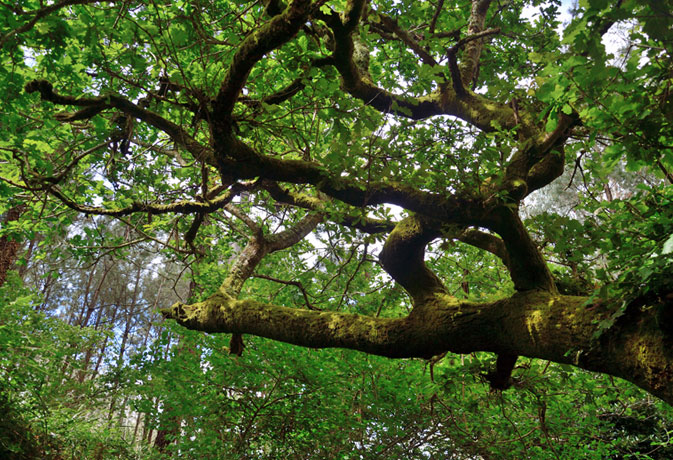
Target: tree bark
(537, 324)
(9, 247)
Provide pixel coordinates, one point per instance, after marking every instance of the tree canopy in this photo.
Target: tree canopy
(383, 176)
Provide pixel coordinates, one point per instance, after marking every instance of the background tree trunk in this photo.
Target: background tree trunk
(9, 246)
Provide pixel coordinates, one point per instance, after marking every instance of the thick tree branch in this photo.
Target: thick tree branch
(259, 246)
(353, 14)
(537, 148)
(546, 170)
(525, 263)
(243, 162)
(269, 36)
(469, 63)
(244, 265)
(403, 254)
(243, 217)
(536, 324)
(247, 261)
(485, 241)
(458, 80)
(471, 107)
(294, 234)
(352, 218)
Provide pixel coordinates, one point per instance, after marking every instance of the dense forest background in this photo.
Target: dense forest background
(89, 368)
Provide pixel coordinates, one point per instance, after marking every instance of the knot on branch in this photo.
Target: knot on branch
(236, 345)
(45, 88)
(176, 311)
(501, 378)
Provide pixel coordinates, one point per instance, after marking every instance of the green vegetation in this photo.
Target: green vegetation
(336, 229)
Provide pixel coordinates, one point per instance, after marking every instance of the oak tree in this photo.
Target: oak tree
(416, 129)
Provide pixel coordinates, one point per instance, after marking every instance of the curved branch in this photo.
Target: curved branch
(392, 26)
(181, 207)
(244, 162)
(293, 235)
(458, 80)
(259, 246)
(525, 263)
(527, 267)
(517, 251)
(533, 162)
(471, 107)
(269, 36)
(247, 261)
(350, 219)
(534, 324)
(403, 254)
(176, 133)
(278, 97)
(485, 241)
(243, 217)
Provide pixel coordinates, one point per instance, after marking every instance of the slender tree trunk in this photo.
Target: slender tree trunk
(167, 426)
(147, 433)
(139, 417)
(127, 330)
(90, 302)
(49, 283)
(101, 355)
(90, 349)
(170, 425)
(27, 255)
(88, 307)
(122, 415)
(9, 247)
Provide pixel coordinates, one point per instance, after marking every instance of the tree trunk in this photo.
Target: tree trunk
(125, 335)
(9, 246)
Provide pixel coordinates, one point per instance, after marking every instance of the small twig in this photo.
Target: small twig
(577, 166)
(290, 283)
(666, 172)
(392, 26)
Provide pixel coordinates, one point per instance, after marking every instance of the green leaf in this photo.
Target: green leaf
(552, 122)
(668, 245)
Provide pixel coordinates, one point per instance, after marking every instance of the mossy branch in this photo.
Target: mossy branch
(535, 324)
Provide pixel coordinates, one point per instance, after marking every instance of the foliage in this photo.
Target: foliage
(452, 182)
(47, 413)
